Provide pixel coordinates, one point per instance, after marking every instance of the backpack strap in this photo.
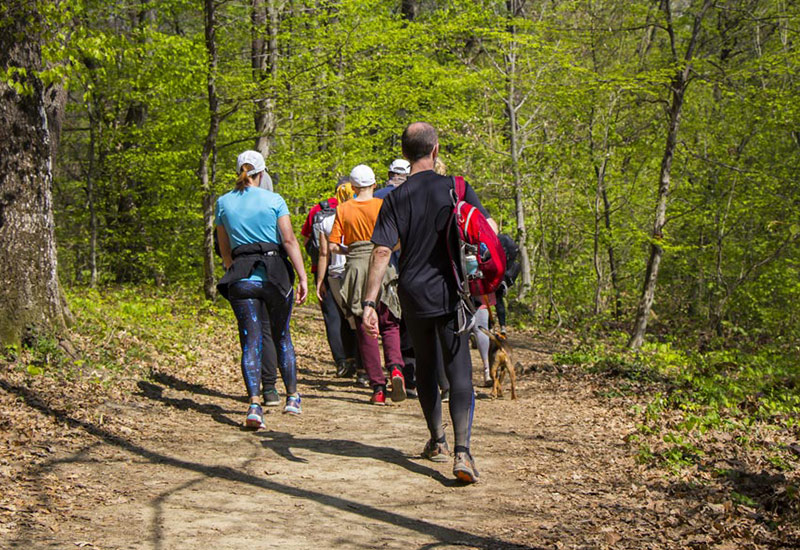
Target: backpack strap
(459, 189)
(465, 310)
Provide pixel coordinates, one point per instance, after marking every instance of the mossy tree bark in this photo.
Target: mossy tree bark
(30, 296)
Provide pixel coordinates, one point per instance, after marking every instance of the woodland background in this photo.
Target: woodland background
(645, 155)
(558, 112)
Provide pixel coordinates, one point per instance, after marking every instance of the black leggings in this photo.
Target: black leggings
(436, 343)
(341, 338)
(263, 316)
(500, 307)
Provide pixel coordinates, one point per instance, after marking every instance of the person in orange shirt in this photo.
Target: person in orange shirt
(351, 234)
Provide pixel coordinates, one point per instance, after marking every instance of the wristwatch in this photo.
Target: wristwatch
(369, 303)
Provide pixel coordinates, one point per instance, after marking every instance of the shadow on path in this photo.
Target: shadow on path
(282, 443)
(182, 385)
(439, 532)
(156, 393)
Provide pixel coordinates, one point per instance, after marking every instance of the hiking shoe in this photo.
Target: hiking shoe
(445, 396)
(271, 398)
(436, 452)
(411, 393)
(378, 396)
(346, 368)
(487, 381)
(255, 417)
(398, 386)
(503, 330)
(362, 380)
(293, 404)
(464, 468)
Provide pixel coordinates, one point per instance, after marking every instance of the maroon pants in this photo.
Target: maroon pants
(389, 327)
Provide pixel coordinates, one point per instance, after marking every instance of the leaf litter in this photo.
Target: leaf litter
(558, 469)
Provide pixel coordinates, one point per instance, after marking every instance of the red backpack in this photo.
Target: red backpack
(477, 257)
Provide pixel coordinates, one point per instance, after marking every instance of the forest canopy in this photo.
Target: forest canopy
(618, 142)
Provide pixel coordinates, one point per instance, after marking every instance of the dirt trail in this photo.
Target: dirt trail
(170, 468)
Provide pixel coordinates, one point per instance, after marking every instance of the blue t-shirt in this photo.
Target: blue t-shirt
(383, 192)
(251, 216)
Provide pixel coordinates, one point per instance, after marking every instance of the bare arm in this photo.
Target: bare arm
(378, 262)
(322, 265)
(293, 250)
(224, 246)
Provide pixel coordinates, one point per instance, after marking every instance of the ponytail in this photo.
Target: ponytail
(243, 180)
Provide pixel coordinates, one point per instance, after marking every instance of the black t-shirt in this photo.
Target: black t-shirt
(416, 214)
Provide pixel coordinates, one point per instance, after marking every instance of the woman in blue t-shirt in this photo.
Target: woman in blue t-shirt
(255, 237)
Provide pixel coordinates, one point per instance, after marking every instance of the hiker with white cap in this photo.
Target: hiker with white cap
(398, 172)
(259, 249)
(351, 233)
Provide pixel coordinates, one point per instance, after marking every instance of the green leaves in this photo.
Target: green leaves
(590, 84)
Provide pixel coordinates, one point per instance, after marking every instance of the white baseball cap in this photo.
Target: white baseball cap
(253, 158)
(362, 176)
(400, 166)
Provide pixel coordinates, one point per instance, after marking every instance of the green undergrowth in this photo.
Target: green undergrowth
(689, 395)
(123, 331)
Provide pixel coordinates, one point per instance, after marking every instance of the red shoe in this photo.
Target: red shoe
(378, 396)
(398, 386)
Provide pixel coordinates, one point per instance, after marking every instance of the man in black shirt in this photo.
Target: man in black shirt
(416, 214)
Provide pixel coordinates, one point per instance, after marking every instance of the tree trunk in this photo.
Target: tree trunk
(522, 243)
(90, 172)
(656, 251)
(612, 263)
(409, 9)
(30, 296)
(601, 197)
(265, 71)
(678, 87)
(513, 139)
(210, 145)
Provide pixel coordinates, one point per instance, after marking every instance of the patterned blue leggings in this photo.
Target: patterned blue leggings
(263, 316)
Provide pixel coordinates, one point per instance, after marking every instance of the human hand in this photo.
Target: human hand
(302, 291)
(370, 320)
(321, 289)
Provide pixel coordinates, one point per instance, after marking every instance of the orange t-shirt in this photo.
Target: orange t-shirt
(355, 221)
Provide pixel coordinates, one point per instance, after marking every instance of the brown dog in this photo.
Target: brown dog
(501, 363)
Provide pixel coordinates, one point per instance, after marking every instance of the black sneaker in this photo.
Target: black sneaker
(411, 393)
(436, 452)
(271, 398)
(362, 380)
(445, 396)
(464, 468)
(346, 368)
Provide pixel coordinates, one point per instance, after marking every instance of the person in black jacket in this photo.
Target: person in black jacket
(512, 271)
(255, 236)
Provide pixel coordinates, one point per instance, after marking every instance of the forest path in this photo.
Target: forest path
(169, 467)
